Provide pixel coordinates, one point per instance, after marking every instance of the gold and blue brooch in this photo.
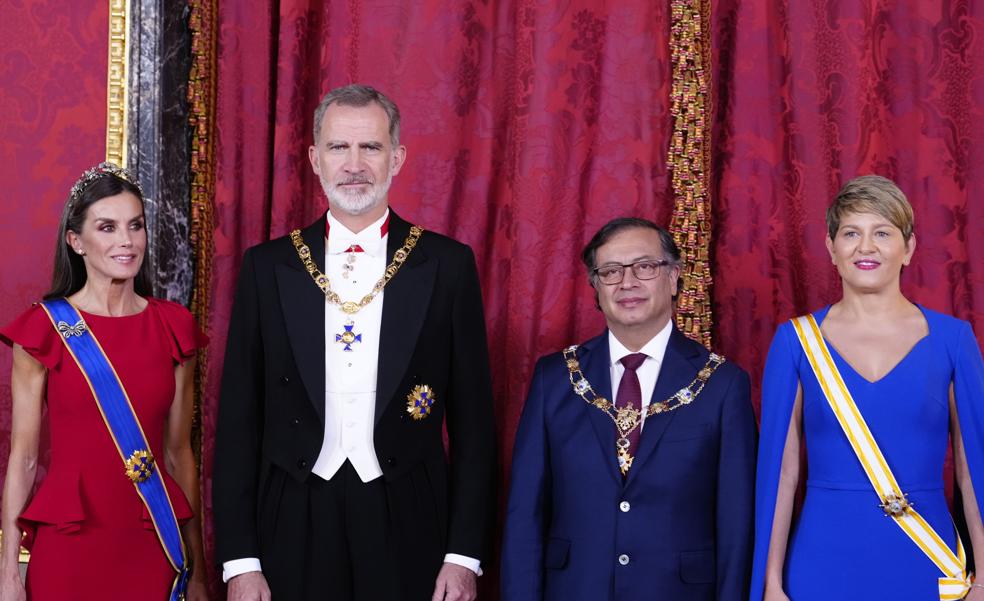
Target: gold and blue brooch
(420, 401)
(140, 466)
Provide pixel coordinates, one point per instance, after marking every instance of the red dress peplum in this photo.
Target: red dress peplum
(89, 533)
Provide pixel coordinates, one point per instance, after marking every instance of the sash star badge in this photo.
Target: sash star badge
(420, 401)
(139, 466)
(896, 505)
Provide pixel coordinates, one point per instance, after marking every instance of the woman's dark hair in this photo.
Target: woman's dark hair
(69, 275)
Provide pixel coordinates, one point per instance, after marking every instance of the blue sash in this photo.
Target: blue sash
(124, 428)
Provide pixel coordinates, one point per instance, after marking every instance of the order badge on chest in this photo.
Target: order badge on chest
(348, 336)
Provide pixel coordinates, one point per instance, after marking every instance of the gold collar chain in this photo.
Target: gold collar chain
(352, 307)
(627, 419)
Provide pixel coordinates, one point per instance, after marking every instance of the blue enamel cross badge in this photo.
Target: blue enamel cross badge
(420, 401)
(348, 337)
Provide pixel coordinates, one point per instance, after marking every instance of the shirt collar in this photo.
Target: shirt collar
(655, 348)
(371, 239)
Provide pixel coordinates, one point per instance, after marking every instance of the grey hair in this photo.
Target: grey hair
(359, 95)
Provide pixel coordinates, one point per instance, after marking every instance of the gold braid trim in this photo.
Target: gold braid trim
(201, 118)
(689, 161)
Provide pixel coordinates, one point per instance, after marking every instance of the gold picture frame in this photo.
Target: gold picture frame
(117, 95)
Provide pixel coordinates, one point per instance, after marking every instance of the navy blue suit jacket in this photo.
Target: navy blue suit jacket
(678, 528)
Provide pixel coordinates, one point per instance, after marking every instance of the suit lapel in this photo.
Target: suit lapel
(677, 371)
(405, 302)
(304, 313)
(595, 360)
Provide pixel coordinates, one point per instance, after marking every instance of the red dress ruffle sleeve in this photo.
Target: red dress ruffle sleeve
(33, 330)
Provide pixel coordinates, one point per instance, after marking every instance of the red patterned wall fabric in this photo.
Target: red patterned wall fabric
(814, 93)
(53, 126)
(528, 125)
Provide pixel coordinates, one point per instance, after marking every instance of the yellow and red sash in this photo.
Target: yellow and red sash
(955, 582)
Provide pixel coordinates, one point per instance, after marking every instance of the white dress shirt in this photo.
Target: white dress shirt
(648, 372)
(350, 376)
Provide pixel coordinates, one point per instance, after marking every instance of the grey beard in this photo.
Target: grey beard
(358, 204)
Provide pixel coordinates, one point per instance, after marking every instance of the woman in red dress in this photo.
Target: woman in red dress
(88, 530)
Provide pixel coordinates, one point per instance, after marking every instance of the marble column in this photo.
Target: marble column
(159, 137)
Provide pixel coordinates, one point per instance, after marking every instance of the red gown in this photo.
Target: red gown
(89, 533)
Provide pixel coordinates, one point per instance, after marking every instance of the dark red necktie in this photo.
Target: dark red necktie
(630, 395)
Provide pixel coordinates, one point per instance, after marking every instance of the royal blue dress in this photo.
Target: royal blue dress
(842, 545)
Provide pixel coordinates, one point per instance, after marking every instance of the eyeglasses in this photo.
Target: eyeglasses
(646, 269)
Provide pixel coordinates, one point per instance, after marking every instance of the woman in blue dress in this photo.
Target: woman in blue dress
(917, 380)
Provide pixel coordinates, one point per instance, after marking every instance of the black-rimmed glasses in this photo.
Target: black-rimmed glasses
(646, 269)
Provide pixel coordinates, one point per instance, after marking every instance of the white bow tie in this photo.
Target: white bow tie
(340, 243)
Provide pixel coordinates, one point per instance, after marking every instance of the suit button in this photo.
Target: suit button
(302, 463)
(284, 380)
(624, 506)
(391, 461)
(295, 422)
(623, 559)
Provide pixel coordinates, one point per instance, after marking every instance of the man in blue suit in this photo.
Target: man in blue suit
(644, 494)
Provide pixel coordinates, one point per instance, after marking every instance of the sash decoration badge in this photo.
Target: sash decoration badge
(139, 466)
(68, 331)
(895, 505)
(420, 401)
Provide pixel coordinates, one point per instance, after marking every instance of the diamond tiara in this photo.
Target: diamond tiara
(101, 170)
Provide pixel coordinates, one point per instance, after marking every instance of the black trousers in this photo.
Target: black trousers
(348, 540)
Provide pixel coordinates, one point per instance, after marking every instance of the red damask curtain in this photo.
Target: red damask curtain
(530, 123)
(52, 127)
(811, 94)
(528, 126)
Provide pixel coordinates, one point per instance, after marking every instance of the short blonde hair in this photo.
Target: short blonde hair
(871, 194)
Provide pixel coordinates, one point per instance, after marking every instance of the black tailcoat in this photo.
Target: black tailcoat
(272, 403)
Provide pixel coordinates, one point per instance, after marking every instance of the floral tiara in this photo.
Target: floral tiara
(100, 170)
